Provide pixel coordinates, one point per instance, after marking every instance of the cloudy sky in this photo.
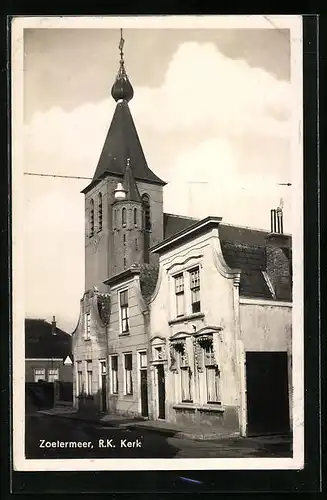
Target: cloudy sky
(213, 111)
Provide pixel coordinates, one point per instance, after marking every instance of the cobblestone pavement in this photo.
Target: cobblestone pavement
(48, 437)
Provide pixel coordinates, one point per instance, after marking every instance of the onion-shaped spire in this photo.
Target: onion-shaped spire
(122, 88)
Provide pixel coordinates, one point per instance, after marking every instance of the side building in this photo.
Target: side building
(48, 352)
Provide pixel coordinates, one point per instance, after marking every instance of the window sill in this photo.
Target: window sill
(87, 339)
(215, 408)
(189, 317)
(123, 334)
(185, 406)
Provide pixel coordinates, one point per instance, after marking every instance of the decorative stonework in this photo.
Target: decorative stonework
(103, 303)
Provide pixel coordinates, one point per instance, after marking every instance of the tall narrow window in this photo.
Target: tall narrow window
(124, 240)
(87, 326)
(123, 217)
(195, 290)
(135, 217)
(123, 300)
(179, 293)
(128, 360)
(91, 217)
(89, 376)
(114, 374)
(115, 218)
(185, 374)
(80, 385)
(100, 211)
(146, 226)
(212, 375)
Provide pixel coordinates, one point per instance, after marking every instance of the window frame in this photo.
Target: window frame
(123, 310)
(87, 325)
(89, 383)
(179, 291)
(128, 374)
(124, 217)
(195, 289)
(49, 374)
(211, 366)
(35, 374)
(114, 381)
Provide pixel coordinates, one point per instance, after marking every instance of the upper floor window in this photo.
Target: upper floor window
(100, 211)
(123, 217)
(195, 290)
(135, 217)
(39, 374)
(87, 326)
(179, 294)
(91, 217)
(53, 374)
(115, 218)
(146, 212)
(123, 303)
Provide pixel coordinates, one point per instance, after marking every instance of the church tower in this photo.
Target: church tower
(124, 201)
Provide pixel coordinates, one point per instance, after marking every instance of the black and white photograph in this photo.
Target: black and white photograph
(157, 213)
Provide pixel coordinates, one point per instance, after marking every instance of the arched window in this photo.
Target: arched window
(123, 217)
(100, 211)
(146, 226)
(91, 217)
(146, 212)
(135, 216)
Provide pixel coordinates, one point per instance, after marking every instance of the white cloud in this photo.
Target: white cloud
(233, 122)
(205, 89)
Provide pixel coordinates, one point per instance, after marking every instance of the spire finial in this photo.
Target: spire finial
(122, 89)
(121, 47)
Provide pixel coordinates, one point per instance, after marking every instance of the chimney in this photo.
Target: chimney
(279, 259)
(54, 326)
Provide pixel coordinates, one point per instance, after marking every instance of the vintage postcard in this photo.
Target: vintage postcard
(157, 212)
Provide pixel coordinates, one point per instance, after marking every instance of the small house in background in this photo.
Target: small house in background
(48, 352)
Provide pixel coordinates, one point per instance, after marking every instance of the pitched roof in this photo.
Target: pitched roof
(41, 343)
(122, 142)
(173, 224)
(130, 185)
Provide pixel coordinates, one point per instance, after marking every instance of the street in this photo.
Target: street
(48, 437)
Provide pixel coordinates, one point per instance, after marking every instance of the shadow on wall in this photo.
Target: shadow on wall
(93, 405)
(43, 395)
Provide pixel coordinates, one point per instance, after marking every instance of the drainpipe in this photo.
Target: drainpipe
(239, 357)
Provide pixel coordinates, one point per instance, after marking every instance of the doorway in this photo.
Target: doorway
(161, 392)
(144, 393)
(267, 393)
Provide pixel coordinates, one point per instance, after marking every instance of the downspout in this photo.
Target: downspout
(239, 357)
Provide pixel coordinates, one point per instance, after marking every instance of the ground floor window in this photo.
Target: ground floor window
(212, 374)
(53, 374)
(79, 378)
(128, 362)
(89, 377)
(114, 374)
(184, 371)
(39, 374)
